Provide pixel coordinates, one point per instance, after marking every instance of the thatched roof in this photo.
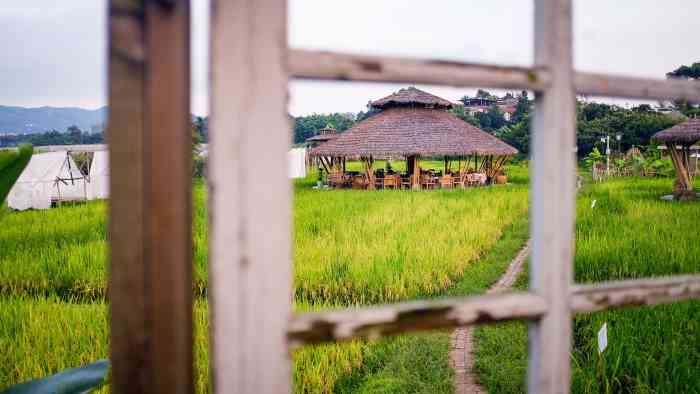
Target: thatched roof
(686, 133)
(325, 134)
(406, 131)
(411, 97)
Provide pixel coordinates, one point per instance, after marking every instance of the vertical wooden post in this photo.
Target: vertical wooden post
(150, 209)
(553, 202)
(416, 173)
(250, 199)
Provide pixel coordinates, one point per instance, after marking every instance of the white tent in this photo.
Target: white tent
(98, 187)
(297, 162)
(48, 177)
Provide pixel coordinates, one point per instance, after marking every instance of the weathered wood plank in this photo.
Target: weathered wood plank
(601, 296)
(639, 88)
(168, 154)
(374, 322)
(309, 64)
(553, 178)
(371, 322)
(150, 217)
(125, 137)
(250, 246)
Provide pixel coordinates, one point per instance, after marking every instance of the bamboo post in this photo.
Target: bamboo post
(416, 174)
(553, 200)
(684, 186)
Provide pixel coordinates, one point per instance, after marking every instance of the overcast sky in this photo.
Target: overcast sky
(54, 53)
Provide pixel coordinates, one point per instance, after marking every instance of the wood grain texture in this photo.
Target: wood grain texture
(250, 198)
(308, 64)
(639, 88)
(552, 191)
(125, 136)
(349, 324)
(375, 322)
(150, 286)
(638, 292)
(168, 154)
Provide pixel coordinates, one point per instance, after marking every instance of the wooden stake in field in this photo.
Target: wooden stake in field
(678, 139)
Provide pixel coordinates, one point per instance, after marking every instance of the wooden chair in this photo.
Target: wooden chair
(446, 181)
(460, 180)
(406, 182)
(379, 182)
(359, 182)
(391, 181)
(427, 181)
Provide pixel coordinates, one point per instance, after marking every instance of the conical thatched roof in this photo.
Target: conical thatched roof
(686, 133)
(407, 131)
(325, 134)
(411, 97)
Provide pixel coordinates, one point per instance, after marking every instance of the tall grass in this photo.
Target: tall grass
(629, 233)
(350, 248)
(11, 165)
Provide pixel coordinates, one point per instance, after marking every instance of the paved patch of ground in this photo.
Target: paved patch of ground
(462, 353)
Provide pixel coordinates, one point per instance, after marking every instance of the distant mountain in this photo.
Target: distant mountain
(37, 120)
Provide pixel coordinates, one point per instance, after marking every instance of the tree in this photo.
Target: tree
(362, 115)
(686, 72)
(465, 115)
(492, 119)
(308, 126)
(200, 125)
(522, 109)
(485, 94)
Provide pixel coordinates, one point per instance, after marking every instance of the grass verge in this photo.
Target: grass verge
(629, 233)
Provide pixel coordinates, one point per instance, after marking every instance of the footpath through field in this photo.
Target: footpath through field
(462, 339)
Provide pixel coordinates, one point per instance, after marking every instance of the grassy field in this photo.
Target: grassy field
(350, 248)
(12, 162)
(629, 233)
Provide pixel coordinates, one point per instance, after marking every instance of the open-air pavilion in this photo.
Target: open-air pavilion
(678, 140)
(329, 164)
(414, 125)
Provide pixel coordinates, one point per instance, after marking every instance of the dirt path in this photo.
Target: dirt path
(461, 355)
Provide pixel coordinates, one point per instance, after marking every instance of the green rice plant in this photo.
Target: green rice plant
(11, 165)
(628, 233)
(350, 248)
(43, 336)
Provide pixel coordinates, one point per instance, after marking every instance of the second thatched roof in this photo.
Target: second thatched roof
(414, 125)
(325, 134)
(686, 133)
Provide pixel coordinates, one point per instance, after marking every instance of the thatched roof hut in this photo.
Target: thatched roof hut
(678, 140)
(686, 133)
(413, 123)
(325, 134)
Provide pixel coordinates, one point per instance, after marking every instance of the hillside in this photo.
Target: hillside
(36, 120)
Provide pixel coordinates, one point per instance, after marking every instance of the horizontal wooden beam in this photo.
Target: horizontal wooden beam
(307, 64)
(596, 297)
(637, 88)
(375, 322)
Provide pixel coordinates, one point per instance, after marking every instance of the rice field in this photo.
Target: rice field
(629, 233)
(350, 248)
(12, 162)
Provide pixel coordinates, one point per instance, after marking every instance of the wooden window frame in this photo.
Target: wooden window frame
(252, 324)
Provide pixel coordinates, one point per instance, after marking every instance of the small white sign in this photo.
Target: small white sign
(593, 204)
(603, 338)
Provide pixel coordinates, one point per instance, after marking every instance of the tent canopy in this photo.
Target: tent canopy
(48, 177)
